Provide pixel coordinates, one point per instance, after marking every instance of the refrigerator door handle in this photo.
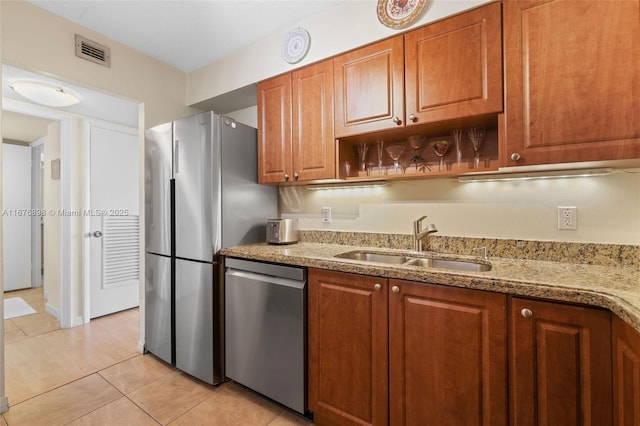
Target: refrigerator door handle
(176, 156)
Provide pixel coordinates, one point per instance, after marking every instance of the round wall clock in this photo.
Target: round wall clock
(400, 13)
(295, 45)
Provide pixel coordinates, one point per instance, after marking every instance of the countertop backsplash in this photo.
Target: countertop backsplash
(553, 251)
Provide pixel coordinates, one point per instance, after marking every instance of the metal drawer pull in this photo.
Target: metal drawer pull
(395, 289)
(377, 287)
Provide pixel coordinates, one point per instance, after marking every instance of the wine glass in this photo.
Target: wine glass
(395, 151)
(440, 148)
(362, 149)
(415, 142)
(380, 147)
(457, 138)
(476, 135)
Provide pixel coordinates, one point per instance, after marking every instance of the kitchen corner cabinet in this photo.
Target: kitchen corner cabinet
(560, 364)
(572, 81)
(347, 316)
(444, 362)
(453, 67)
(295, 137)
(626, 374)
(369, 88)
(447, 355)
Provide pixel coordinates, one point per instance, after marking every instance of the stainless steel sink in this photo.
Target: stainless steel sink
(422, 262)
(364, 256)
(456, 265)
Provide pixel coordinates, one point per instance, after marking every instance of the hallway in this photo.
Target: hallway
(93, 375)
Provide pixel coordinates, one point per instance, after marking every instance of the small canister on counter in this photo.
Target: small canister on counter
(282, 231)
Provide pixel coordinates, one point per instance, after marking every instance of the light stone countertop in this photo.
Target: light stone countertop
(613, 288)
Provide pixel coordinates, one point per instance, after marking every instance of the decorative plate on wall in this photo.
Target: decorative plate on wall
(400, 13)
(295, 45)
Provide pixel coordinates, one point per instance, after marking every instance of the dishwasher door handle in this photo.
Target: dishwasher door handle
(245, 275)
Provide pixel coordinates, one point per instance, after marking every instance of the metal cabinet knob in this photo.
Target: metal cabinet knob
(515, 156)
(97, 234)
(413, 118)
(295, 176)
(395, 289)
(397, 120)
(377, 287)
(527, 313)
(286, 176)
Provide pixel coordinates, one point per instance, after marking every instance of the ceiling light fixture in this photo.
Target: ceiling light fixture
(553, 174)
(354, 185)
(45, 93)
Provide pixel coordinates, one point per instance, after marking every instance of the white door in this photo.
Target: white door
(16, 216)
(114, 217)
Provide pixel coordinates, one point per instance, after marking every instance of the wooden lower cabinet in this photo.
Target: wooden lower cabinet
(444, 362)
(447, 356)
(626, 374)
(348, 325)
(559, 364)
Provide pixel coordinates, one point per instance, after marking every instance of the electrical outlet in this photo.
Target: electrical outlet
(567, 217)
(326, 215)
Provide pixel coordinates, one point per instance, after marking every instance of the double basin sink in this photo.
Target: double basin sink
(414, 260)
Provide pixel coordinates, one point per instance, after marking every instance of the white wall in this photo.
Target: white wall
(608, 208)
(349, 25)
(52, 222)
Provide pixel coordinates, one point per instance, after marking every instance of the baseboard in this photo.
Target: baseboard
(52, 310)
(140, 346)
(4, 404)
(77, 321)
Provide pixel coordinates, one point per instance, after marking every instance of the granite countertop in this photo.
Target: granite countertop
(613, 288)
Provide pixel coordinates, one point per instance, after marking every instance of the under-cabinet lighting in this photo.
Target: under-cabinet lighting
(45, 93)
(354, 185)
(552, 174)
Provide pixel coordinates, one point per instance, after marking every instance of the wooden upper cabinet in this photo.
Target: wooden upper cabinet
(295, 126)
(313, 141)
(626, 374)
(447, 355)
(274, 129)
(348, 326)
(369, 88)
(453, 68)
(572, 81)
(560, 364)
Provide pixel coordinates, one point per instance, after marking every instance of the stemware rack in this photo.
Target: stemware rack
(422, 162)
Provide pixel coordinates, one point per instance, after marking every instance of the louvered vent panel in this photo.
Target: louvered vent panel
(120, 245)
(93, 51)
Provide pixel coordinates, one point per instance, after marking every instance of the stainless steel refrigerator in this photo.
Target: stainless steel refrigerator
(201, 195)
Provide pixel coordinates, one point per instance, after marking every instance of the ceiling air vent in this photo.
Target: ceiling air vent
(92, 51)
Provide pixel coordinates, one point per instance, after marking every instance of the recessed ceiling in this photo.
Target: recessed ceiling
(186, 34)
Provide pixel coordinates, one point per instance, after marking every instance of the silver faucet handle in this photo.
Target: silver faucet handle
(482, 250)
(417, 224)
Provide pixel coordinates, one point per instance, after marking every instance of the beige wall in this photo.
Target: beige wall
(52, 230)
(37, 40)
(608, 208)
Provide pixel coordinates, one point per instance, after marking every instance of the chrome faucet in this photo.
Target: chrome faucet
(418, 233)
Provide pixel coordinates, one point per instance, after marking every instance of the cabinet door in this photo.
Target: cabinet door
(347, 348)
(560, 364)
(453, 68)
(572, 81)
(447, 356)
(369, 88)
(313, 143)
(274, 129)
(626, 374)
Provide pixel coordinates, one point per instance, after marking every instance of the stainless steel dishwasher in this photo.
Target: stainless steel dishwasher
(265, 330)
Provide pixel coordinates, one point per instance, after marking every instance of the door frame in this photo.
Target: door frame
(66, 128)
(86, 205)
(37, 149)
